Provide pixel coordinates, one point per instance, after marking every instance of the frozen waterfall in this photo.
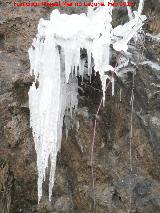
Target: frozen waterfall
(55, 62)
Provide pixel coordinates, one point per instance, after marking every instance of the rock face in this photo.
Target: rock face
(115, 184)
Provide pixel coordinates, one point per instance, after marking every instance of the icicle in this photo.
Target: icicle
(140, 7)
(130, 13)
(112, 86)
(89, 61)
(120, 95)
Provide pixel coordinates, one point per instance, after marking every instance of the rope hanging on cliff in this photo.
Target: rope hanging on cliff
(130, 144)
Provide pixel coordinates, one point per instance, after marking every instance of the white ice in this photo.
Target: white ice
(55, 63)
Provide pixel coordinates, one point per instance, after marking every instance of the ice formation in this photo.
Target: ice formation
(55, 62)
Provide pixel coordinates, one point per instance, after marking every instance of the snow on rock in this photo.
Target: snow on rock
(152, 64)
(55, 63)
(154, 37)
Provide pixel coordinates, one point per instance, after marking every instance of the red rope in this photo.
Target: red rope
(94, 136)
(93, 144)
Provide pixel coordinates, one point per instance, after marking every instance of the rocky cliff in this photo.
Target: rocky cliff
(115, 183)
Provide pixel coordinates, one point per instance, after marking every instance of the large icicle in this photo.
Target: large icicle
(55, 61)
